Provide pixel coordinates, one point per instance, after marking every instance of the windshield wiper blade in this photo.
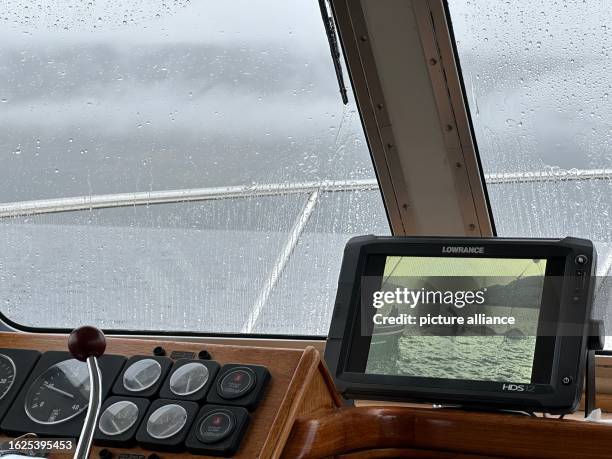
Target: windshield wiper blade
(332, 38)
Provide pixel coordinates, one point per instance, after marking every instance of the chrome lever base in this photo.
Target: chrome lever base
(95, 401)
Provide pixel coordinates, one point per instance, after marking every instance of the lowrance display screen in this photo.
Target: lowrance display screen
(473, 321)
(451, 318)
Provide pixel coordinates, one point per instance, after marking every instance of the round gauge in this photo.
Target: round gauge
(118, 418)
(141, 375)
(189, 378)
(7, 374)
(58, 394)
(166, 421)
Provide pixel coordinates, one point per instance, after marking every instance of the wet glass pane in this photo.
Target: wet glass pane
(131, 96)
(308, 284)
(538, 82)
(186, 266)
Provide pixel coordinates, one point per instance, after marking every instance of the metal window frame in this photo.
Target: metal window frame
(439, 45)
(372, 107)
(453, 112)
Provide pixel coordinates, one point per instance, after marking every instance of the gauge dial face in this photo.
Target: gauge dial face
(141, 375)
(118, 418)
(59, 394)
(7, 374)
(189, 378)
(166, 421)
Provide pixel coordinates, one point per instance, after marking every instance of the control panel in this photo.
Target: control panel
(151, 401)
(173, 400)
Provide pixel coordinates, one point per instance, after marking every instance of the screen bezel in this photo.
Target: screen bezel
(554, 396)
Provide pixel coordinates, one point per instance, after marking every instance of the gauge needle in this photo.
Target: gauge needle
(115, 425)
(59, 391)
(168, 429)
(137, 381)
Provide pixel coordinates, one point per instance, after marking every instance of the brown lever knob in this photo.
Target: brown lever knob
(86, 341)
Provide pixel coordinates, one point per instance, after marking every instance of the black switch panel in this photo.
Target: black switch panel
(142, 376)
(166, 425)
(15, 366)
(119, 420)
(240, 385)
(218, 430)
(189, 379)
(55, 406)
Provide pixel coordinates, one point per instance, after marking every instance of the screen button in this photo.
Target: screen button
(581, 260)
(580, 279)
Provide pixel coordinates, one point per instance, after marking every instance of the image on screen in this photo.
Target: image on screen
(491, 337)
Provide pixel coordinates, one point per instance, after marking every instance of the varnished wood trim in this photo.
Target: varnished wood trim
(329, 382)
(350, 430)
(397, 453)
(286, 415)
(346, 430)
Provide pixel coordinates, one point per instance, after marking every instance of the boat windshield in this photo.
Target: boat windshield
(179, 165)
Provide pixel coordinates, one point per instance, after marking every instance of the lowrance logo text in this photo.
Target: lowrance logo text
(469, 250)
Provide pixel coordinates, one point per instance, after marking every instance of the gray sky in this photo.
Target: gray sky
(191, 95)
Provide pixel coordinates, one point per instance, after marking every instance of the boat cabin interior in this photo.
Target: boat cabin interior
(305, 229)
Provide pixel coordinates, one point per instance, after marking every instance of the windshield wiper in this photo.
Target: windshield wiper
(332, 38)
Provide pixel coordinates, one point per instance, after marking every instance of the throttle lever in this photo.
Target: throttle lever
(86, 344)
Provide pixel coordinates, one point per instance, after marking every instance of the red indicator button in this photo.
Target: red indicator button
(216, 426)
(236, 383)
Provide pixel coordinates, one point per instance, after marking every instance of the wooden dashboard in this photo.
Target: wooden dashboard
(302, 416)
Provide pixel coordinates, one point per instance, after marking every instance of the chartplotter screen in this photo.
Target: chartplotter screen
(456, 318)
